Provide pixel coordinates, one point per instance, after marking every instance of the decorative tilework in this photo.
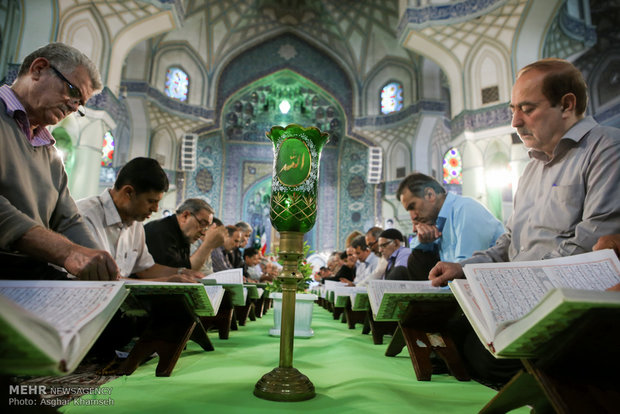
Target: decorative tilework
(309, 62)
(140, 87)
(11, 73)
(568, 36)
(237, 154)
(209, 159)
(460, 25)
(254, 109)
(447, 13)
(386, 120)
(577, 28)
(356, 196)
(384, 135)
(485, 118)
(256, 202)
(327, 218)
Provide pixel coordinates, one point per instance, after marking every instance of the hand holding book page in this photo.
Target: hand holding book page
(58, 321)
(229, 276)
(498, 294)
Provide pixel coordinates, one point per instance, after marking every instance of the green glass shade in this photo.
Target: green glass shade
(295, 176)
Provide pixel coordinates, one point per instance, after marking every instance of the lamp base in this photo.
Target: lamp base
(284, 384)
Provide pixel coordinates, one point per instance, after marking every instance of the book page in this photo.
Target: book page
(215, 294)
(230, 276)
(469, 304)
(598, 271)
(505, 294)
(507, 291)
(65, 305)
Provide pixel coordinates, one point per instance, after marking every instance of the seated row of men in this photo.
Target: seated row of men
(447, 226)
(567, 197)
(162, 249)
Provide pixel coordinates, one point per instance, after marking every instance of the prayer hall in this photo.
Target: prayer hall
(208, 89)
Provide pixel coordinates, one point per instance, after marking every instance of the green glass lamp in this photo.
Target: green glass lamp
(293, 212)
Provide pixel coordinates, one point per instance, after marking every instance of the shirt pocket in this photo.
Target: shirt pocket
(563, 208)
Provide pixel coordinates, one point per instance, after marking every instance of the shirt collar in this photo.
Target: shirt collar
(15, 110)
(110, 213)
(574, 135)
(446, 207)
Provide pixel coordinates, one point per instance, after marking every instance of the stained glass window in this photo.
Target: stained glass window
(391, 97)
(177, 84)
(107, 152)
(452, 167)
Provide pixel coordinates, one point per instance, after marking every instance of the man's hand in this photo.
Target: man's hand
(180, 278)
(214, 236)
(52, 247)
(443, 272)
(90, 264)
(192, 275)
(611, 241)
(427, 233)
(347, 281)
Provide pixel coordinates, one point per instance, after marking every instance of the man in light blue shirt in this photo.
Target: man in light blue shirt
(449, 227)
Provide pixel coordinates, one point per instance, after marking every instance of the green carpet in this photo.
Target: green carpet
(350, 375)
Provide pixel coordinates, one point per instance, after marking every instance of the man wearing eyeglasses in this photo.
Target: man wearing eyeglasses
(169, 239)
(39, 221)
(115, 219)
(391, 248)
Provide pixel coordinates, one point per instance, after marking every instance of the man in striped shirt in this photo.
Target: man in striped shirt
(39, 221)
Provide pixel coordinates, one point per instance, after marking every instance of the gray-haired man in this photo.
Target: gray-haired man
(169, 238)
(39, 221)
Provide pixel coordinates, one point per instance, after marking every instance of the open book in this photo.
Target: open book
(204, 300)
(48, 326)
(227, 277)
(232, 280)
(389, 298)
(517, 307)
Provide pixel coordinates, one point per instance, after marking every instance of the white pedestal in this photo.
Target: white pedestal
(304, 304)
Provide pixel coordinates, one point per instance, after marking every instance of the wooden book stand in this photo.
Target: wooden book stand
(578, 371)
(172, 322)
(353, 317)
(245, 312)
(423, 328)
(222, 321)
(379, 328)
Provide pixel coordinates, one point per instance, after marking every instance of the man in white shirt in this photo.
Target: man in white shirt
(366, 263)
(114, 219)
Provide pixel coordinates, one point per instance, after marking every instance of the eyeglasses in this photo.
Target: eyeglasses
(382, 246)
(202, 222)
(74, 91)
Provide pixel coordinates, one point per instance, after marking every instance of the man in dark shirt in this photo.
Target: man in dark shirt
(169, 238)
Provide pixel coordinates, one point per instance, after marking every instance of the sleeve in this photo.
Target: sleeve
(217, 259)
(13, 224)
(66, 218)
(402, 257)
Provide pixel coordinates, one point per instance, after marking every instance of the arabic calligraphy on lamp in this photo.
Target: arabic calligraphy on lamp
(295, 176)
